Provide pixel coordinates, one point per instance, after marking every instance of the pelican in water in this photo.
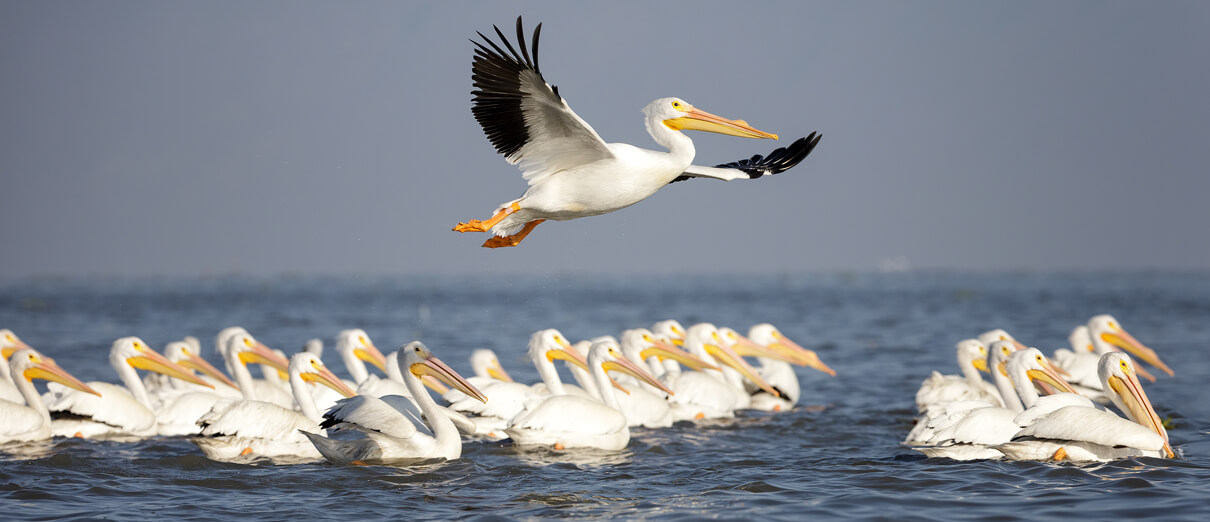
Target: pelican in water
(119, 411)
(998, 334)
(938, 390)
(9, 344)
(1082, 434)
(567, 421)
(31, 420)
(263, 429)
(776, 353)
(486, 367)
(711, 394)
(643, 405)
(571, 171)
(386, 434)
(973, 433)
(1105, 335)
(179, 404)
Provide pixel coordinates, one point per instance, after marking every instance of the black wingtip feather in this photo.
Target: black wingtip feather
(778, 161)
(496, 73)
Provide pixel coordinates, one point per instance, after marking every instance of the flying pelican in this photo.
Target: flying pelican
(264, 429)
(567, 421)
(31, 420)
(386, 434)
(1081, 433)
(571, 171)
(776, 369)
(9, 344)
(120, 411)
(940, 389)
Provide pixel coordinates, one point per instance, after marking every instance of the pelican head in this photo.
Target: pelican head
(310, 369)
(421, 362)
(186, 355)
(991, 336)
(608, 355)
(485, 364)
(1117, 373)
(671, 330)
(1080, 340)
(678, 114)
(135, 353)
(768, 335)
(1107, 332)
(30, 365)
(704, 341)
(10, 343)
(550, 344)
(1029, 365)
(245, 349)
(224, 336)
(356, 343)
(972, 354)
(998, 356)
(639, 344)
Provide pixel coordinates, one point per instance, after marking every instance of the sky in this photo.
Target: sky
(264, 138)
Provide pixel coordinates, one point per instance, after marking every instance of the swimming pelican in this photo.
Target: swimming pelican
(263, 429)
(991, 336)
(31, 420)
(508, 399)
(485, 365)
(711, 394)
(120, 411)
(1105, 334)
(179, 404)
(939, 389)
(1081, 433)
(775, 367)
(9, 344)
(384, 433)
(643, 406)
(571, 171)
(972, 433)
(567, 421)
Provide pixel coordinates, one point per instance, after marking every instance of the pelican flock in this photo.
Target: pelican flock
(572, 172)
(1031, 412)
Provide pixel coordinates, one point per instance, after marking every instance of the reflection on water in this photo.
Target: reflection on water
(837, 454)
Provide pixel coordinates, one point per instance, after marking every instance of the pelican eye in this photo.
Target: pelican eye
(1039, 358)
(1003, 338)
(363, 340)
(646, 337)
(9, 337)
(1112, 326)
(1125, 367)
(248, 342)
(676, 104)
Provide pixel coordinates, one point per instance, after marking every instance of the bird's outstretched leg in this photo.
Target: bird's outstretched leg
(475, 225)
(515, 239)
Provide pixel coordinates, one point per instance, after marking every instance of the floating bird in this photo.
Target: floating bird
(571, 171)
(262, 429)
(1105, 334)
(383, 433)
(120, 411)
(31, 420)
(940, 389)
(711, 394)
(9, 344)
(1082, 433)
(179, 404)
(567, 421)
(776, 370)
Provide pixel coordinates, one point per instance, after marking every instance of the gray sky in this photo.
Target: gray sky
(172, 138)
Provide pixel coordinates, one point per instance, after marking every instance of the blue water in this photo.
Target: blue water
(836, 455)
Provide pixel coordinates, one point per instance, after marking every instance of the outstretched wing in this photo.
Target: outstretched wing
(523, 116)
(780, 160)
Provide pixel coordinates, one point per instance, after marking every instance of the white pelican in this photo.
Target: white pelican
(938, 389)
(991, 336)
(571, 171)
(9, 343)
(120, 411)
(385, 434)
(775, 366)
(485, 365)
(31, 420)
(1105, 334)
(179, 404)
(567, 421)
(970, 434)
(710, 394)
(942, 415)
(1081, 433)
(262, 429)
(508, 399)
(643, 406)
